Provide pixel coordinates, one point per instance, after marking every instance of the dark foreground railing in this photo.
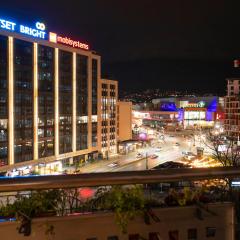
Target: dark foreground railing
(116, 178)
(125, 193)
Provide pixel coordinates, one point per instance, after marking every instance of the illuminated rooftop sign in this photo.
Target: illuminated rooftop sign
(200, 104)
(38, 31)
(53, 37)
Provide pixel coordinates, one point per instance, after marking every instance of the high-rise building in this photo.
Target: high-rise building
(109, 96)
(49, 102)
(232, 108)
(53, 103)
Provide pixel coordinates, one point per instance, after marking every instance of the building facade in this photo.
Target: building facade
(124, 121)
(109, 97)
(232, 108)
(156, 119)
(193, 111)
(49, 97)
(176, 223)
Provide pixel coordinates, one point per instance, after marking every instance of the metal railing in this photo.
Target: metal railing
(115, 178)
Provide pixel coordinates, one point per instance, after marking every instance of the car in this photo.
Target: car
(171, 136)
(153, 156)
(139, 155)
(176, 144)
(190, 154)
(184, 152)
(113, 164)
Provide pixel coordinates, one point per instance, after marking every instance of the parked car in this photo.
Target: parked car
(113, 164)
(153, 156)
(188, 153)
(176, 144)
(139, 155)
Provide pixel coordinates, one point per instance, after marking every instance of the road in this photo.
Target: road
(168, 152)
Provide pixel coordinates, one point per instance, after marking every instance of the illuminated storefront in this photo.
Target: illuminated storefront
(49, 106)
(157, 119)
(181, 112)
(198, 114)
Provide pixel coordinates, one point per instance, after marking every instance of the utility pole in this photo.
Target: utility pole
(146, 161)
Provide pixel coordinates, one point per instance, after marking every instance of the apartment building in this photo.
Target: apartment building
(232, 108)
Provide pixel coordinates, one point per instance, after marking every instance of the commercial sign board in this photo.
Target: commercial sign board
(39, 31)
(55, 38)
(200, 104)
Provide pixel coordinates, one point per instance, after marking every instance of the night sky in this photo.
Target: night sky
(171, 45)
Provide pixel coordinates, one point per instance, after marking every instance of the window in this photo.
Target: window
(173, 235)
(82, 102)
(210, 232)
(133, 237)
(3, 102)
(104, 86)
(94, 100)
(94, 86)
(23, 100)
(154, 236)
(65, 102)
(112, 238)
(192, 234)
(45, 101)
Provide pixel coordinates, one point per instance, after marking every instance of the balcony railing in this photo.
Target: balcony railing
(115, 178)
(31, 197)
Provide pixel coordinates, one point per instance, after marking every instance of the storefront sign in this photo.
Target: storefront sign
(53, 37)
(200, 104)
(38, 31)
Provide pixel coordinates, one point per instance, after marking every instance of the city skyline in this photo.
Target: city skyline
(168, 46)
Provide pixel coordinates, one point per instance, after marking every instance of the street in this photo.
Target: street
(168, 151)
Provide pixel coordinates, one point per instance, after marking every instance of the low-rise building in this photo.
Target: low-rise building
(186, 112)
(175, 223)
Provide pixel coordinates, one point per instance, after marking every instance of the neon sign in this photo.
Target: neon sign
(53, 37)
(200, 104)
(7, 25)
(38, 31)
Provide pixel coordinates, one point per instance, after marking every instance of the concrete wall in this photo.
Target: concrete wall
(125, 121)
(103, 225)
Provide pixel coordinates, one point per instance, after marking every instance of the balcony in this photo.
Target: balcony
(156, 204)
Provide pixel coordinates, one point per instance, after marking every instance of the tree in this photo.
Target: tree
(224, 150)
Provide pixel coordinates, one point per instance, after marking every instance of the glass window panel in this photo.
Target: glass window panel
(65, 101)
(3, 102)
(45, 101)
(23, 100)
